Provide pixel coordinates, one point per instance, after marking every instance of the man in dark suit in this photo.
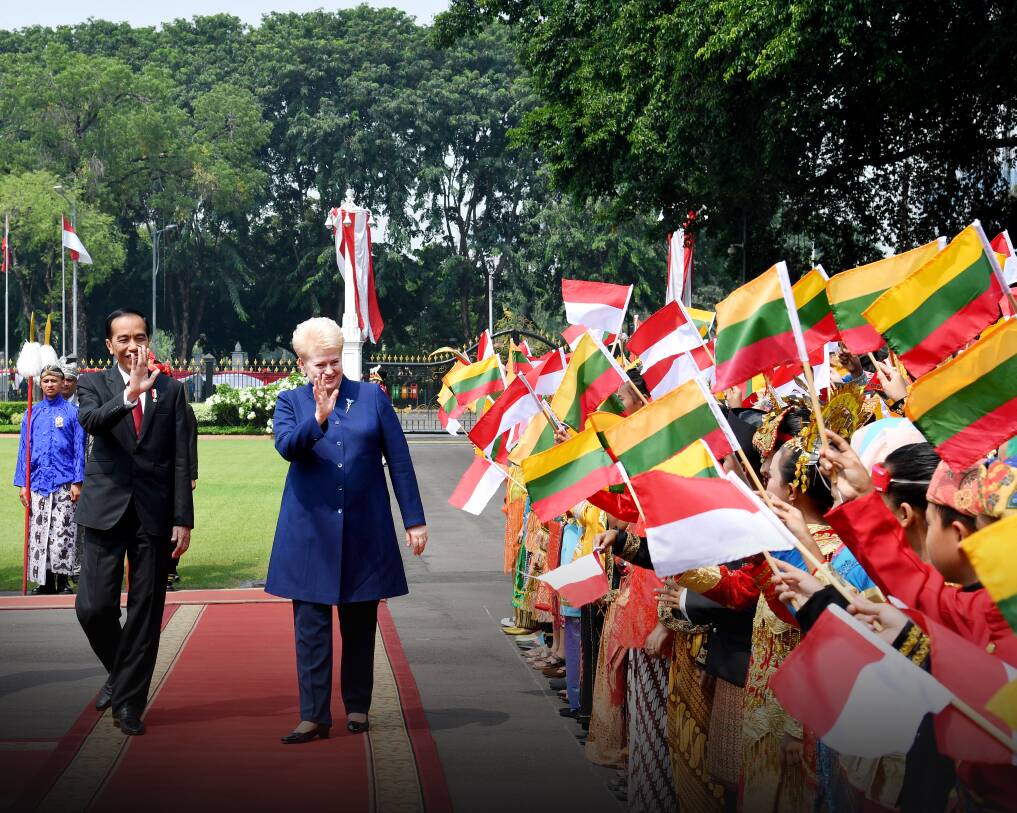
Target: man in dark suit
(135, 502)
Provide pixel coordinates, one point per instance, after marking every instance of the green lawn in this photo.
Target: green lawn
(236, 506)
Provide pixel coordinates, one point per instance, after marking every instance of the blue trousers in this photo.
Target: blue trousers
(312, 624)
(573, 659)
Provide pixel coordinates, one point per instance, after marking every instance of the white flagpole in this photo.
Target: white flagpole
(7, 270)
(63, 290)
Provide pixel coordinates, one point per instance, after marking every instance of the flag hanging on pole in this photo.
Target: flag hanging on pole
(485, 345)
(597, 305)
(70, 241)
(679, 267)
(352, 231)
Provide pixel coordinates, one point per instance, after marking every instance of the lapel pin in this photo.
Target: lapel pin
(155, 395)
(349, 403)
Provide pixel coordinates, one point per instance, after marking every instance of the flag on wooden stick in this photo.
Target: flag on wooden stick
(851, 292)
(942, 305)
(753, 329)
(814, 312)
(472, 382)
(668, 332)
(597, 305)
(480, 482)
(579, 582)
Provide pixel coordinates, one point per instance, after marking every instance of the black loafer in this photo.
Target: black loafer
(300, 737)
(358, 728)
(129, 721)
(105, 697)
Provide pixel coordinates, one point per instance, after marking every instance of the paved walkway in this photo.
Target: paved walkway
(500, 740)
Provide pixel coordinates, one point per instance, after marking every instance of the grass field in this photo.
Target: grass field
(236, 506)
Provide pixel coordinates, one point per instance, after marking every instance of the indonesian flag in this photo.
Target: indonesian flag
(485, 346)
(860, 695)
(1001, 244)
(353, 256)
(597, 305)
(679, 268)
(578, 582)
(480, 482)
(6, 255)
(670, 373)
(70, 240)
(573, 333)
(669, 332)
(550, 370)
(513, 407)
(973, 675)
(699, 522)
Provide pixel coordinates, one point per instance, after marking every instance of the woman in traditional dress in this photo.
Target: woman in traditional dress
(57, 471)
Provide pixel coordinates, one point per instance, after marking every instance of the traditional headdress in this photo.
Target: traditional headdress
(843, 414)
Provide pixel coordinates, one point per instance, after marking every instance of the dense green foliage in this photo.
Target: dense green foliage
(246, 136)
(849, 124)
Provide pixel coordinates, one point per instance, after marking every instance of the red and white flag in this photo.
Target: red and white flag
(480, 482)
(597, 305)
(6, 250)
(973, 675)
(485, 346)
(550, 369)
(573, 333)
(700, 522)
(578, 582)
(77, 250)
(679, 267)
(352, 233)
(513, 407)
(859, 694)
(669, 332)
(1002, 244)
(670, 373)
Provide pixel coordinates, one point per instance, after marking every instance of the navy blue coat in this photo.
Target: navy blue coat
(335, 541)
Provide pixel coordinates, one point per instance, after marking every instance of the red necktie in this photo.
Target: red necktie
(137, 414)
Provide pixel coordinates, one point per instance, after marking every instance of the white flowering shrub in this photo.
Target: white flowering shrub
(253, 406)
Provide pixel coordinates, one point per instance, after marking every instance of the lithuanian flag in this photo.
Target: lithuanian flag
(567, 473)
(814, 311)
(753, 330)
(851, 292)
(942, 305)
(518, 361)
(968, 406)
(703, 320)
(991, 552)
(695, 461)
(664, 427)
(474, 381)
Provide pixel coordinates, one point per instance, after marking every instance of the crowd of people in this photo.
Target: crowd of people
(669, 682)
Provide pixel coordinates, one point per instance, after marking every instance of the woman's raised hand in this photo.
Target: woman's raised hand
(323, 402)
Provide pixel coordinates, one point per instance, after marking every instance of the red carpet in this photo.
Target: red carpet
(214, 728)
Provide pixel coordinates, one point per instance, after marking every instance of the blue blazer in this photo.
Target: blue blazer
(335, 541)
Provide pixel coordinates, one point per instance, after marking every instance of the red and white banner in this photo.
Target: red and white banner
(860, 695)
(679, 267)
(352, 233)
(480, 482)
(70, 241)
(485, 346)
(579, 582)
(668, 332)
(597, 305)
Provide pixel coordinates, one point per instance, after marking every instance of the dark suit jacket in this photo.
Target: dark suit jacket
(335, 541)
(153, 468)
(730, 640)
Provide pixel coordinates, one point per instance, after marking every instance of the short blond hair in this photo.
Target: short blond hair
(317, 333)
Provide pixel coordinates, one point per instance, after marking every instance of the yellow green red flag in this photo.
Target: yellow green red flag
(851, 292)
(991, 553)
(942, 305)
(968, 406)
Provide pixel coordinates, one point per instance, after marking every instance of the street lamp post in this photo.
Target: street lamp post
(59, 189)
(743, 245)
(155, 267)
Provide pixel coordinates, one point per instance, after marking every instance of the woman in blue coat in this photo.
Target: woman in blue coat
(335, 542)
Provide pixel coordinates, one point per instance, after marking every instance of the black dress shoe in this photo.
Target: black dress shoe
(102, 702)
(567, 712)
(355, 727)
(299, 737)
(129, 721)
(42, 590)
